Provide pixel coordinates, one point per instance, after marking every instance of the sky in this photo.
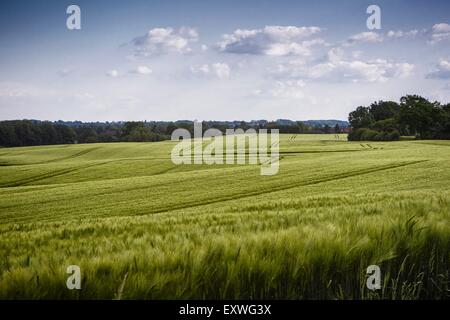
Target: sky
(217, 60)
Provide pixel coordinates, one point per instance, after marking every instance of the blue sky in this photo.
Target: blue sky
(222, 60)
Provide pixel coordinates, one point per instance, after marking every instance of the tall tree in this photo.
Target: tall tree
(361, 118)
(382, 110)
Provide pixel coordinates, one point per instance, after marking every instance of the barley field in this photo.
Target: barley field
(141, 227)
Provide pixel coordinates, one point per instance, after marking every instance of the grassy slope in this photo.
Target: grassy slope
(131, 218)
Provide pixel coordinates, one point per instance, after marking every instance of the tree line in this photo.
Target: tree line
(17, 133)
(412, 116)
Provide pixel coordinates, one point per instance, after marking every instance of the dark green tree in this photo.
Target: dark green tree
(382, 110)
(361, 118)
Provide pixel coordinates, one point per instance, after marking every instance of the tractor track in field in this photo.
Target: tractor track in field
(72, 156)
(288, 186)
(56, 173)
(241, 195)
(324, 151)
(98, 194)
(27, 180)
(297, 152)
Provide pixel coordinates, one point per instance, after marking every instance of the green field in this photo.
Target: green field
(141, 227)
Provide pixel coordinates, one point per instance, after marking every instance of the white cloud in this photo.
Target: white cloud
(337, 68)
(144, 70)
(112, 73)
(271, 40)
(286, 89)
(221, 70)
(218, 70)
(442, 70)
(379, 70)
(304, 48)
(204, 69)
(368, 36)
(402, 34)
(440, 32)
(165, 40)
(438, 37)
(357, 54)
(289, 33)
(441, 27)
(335, 54)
